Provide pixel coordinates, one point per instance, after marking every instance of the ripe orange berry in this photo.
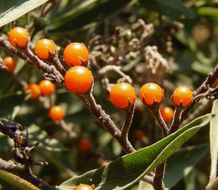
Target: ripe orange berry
(34, 90)
(138, 135)
(78, 79)
(44, 47)
(46, 87)
(76, 54)
(85, 145)
(18, 36)
(215, 84)
(84, 187)
(151, 93)
(56, 113)
(122, 95)
(182, 96)
(167, 113)
(10, 63)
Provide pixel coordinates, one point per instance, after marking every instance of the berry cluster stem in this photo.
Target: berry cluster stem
(105, 120)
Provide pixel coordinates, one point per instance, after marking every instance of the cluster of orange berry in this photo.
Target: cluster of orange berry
(79, 79)
(123, 96)
(46, 88)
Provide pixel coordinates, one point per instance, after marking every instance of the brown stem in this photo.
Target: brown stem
(128, 122)
(159, 176)
(105, 120)
(176, 120)
(9, 167)
(155, 109)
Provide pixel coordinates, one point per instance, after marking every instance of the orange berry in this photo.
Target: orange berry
(78, 79)
(167, 113)
(122, 95)
(44, 47)
(56, 113)
(182, 96)
(46, 87)
(151, 93)
(76, 54)
(215, 84)
(18, 36)
(84, 187)
(34, 90)
(138, 135)
(85, 145)
(10, 63)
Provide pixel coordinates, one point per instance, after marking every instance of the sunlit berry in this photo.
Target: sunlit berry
(167, 113)
(182, 96)
(122, 95)
(47, 88)
(84, 187)
(19, 37)
(34, 90)
(56, 113)
(76, 54)
(10, 63)
(78, 79)
(151, 93)
(44, 48)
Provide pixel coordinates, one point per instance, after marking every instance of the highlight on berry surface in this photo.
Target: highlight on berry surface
(10, 63)
(19, 37)
(46, 87)
(44, 48)
(182, 96)
(84, 187)
(56, 113)
(151, 93)
(122, 95)
(76, 54)
(78, 80)
(34, 90)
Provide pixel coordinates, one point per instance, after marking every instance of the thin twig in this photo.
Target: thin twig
(19, 171)
(155, 109)
(105, 120)
(159, 176)
(176, 120)
(128, 122)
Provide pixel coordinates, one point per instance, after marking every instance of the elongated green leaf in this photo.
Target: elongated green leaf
(85, 13)
(128, 169)
(214, 141)
(172, 8)
(178, 162)
(13, 9)
(16, 181)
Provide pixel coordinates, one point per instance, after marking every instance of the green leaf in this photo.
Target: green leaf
(13, 9)
(172, 8)
(208, 11)
(127, 170)
(214, 141)
(84, 13)
(16, 181)
(181, 160)
(9, 103)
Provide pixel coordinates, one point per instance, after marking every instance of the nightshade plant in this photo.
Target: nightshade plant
(69, 107)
